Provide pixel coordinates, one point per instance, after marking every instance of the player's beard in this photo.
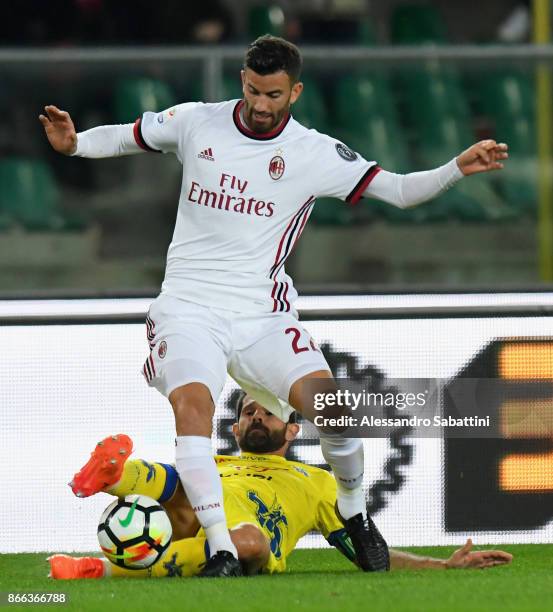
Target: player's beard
(265, 126)
(259, 439)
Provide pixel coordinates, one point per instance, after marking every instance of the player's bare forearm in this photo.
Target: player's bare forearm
(405, 560)
(483, 156)
(463, 558)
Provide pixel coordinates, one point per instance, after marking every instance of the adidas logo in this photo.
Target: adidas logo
(207, 154)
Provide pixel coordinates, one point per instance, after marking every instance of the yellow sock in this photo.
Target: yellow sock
(156, 480)
(183, 558)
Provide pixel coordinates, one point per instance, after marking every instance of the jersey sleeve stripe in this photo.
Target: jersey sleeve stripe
(282, 306)
(147, 371)
(273, 296)
(285, 298)
(137, 131)
(357, 191)
(294, 236)
(280, 300)
(292, 225)
(150, 331)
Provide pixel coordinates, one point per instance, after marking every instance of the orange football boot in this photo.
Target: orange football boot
(105, 466)
(64, 567)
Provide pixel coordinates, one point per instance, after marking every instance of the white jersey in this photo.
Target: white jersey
(244, 201)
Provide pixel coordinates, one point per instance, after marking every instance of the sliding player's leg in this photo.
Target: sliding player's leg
(183, 558)
(187, 364)
(186, 555)
(105, 466)
(111, 471)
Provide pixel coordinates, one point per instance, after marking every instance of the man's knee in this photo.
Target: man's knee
(306, 390)
(193, 408)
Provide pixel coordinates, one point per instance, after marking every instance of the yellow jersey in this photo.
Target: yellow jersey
(287, 499)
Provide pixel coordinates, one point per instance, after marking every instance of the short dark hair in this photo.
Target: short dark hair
(269, 54)
(240, 404)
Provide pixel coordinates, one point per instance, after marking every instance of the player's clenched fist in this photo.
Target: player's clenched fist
(59, 129)
(483, 156)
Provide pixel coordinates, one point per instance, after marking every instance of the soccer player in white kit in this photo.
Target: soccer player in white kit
(251, 176)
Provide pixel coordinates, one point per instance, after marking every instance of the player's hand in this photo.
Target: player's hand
(59, 129)
(483, 156)
(465, 558)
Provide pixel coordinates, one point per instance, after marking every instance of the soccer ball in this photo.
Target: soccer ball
(134, 532)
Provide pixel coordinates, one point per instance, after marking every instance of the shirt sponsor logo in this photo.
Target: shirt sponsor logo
(276, 167)
(220, 199)
(345, 152)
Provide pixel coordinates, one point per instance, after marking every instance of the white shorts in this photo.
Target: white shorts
(264, 353)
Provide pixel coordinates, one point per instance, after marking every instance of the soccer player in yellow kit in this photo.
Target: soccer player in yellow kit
(270, 504)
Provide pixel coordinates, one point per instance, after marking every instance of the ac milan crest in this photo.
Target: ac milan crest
(276, 167)
(162, 350)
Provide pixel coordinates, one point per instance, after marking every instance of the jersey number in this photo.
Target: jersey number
(296, 341)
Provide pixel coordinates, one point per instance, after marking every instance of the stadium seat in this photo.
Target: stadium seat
(507, 98)
(231, 86)
(331, 211)
(29, 194)
(437, 111)
(367, 34)
(265, 20)
(310, 109)
(417, 24)
(6, 221)
(366, 111)
(435, 101)
(194, 91)
(134, 96)
(368, 122)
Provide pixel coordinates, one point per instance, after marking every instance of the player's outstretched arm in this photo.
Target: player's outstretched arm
(406, 190)
(463, 558)
(99, 142)
(59, 130)
(483, 156)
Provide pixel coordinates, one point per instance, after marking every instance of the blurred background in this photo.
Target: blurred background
(406, 83)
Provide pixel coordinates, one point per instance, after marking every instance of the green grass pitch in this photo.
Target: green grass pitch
(317, 580)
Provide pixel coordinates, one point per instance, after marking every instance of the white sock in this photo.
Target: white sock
(202, 484)
(351, 502)
(345, 457)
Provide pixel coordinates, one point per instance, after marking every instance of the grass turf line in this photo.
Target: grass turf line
(317, 580)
